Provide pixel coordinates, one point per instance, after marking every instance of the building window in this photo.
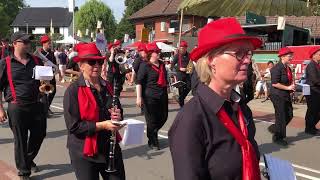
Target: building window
(176, 25)
(150, 26)
(56, 30)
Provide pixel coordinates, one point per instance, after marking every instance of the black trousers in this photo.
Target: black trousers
(283, 113)
(51, 95)
(313, 112)
(156, 114)
(184, 90)
(24, 119)
(119, 80)
(89, 170)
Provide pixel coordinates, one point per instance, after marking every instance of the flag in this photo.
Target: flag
(71, 5)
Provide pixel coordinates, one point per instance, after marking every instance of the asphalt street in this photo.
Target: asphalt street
(141, 163)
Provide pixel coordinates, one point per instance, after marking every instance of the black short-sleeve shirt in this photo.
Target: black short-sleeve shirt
(279, 75)
(26, 87)
(184, 60)
(148, 78)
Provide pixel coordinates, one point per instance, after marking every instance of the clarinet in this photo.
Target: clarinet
(113, 140)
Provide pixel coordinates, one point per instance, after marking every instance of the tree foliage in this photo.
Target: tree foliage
(125, 26)
(92, 12)
(315, 6)
(8, 11)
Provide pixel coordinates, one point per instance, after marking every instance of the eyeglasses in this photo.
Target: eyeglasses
(92, 63)
(24, 42)
(239, 55)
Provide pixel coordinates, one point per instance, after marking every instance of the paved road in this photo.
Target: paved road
(142, 163)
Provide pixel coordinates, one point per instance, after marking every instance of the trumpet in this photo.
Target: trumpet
(189, 67)
(46, 87)
(120, 58)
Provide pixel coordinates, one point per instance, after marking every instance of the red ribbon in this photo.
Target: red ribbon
(250, 164)
(161, 79)
(180, 60)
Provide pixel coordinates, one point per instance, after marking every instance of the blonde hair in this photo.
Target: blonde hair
(203, 69)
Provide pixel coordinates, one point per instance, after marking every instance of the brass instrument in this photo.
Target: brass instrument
(46, 87)
(189, 67)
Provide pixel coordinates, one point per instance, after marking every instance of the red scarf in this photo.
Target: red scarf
(161, 79)
(250, 164)
(289, 74)
(3, 52)
(89, 111)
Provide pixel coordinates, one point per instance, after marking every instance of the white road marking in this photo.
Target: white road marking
(59, 106)
(298, 174)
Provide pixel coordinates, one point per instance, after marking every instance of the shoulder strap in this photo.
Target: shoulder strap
(36, 59)
(9, 74)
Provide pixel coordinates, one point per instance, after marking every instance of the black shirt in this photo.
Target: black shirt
(279, 75)
(79, 129)
(201, 147)
(313, 77)
(147, 77)
(136, 63)
(184, 60)
(50, 55)
(26, 87)
(113, 67)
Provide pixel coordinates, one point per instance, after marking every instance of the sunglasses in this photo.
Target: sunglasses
(239, 55)
(24, 42)
(92, 63)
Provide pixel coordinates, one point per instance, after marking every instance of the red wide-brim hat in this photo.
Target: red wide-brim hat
(87, 52)
(313, 51)
(284, 51)
(219, 33)
(152, 47)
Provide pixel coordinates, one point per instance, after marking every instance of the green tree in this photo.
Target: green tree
(125, 26)
(315, 6)
(8, 12)
(92, 12)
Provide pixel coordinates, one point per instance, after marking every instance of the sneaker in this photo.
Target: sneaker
(34, 168)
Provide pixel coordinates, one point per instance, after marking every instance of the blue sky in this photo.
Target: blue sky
(117, 6)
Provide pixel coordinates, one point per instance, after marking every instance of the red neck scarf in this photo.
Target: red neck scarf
(161, 79)
(250, 164)
(289, 74)
(89, 111)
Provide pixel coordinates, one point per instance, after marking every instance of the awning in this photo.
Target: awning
(238, 8)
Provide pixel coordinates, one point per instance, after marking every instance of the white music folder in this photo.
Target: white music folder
(43, 73)
(279, 169)
(133, 133)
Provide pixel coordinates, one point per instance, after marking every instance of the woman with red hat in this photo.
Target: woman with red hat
(212, 136)
(87, 111)
(152, 93)
(313, 79)
(282, 85)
